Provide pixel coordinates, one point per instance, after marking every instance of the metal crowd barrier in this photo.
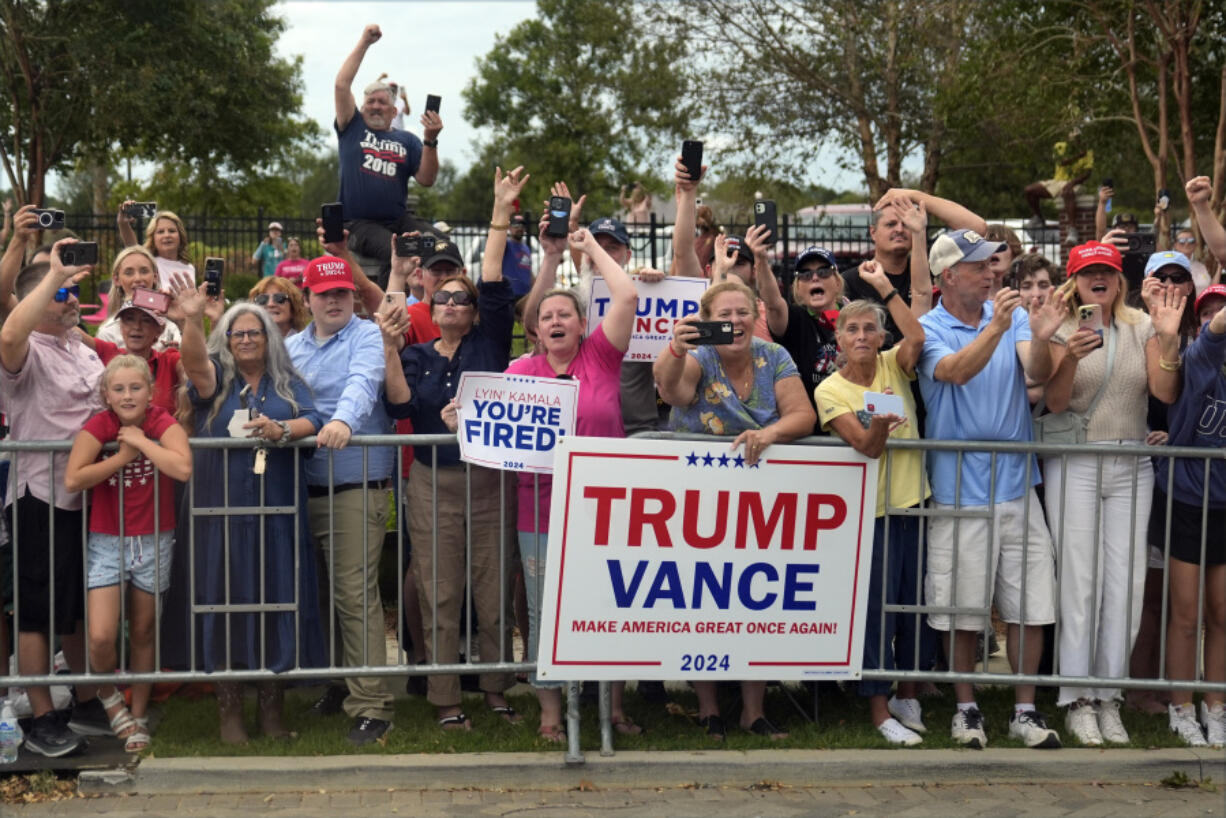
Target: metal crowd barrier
(403, 665)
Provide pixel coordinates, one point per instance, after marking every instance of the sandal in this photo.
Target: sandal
(507, 713)
(458, 721)
(763, 727)
(139, 739)
(626, 727)
(714, 726)
(553, 733)
(123, 725)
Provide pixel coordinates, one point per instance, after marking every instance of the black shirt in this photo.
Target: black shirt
(856, 289)
(811, 343)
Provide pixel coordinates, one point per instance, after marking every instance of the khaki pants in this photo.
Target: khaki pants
(491, 530)
(354, 570)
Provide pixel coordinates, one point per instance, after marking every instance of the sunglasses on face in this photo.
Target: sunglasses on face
(822, 272)
(61, 295)
(1187, 240)
(277, 298)
(1173, 278)
(244, 334)
(460, 298)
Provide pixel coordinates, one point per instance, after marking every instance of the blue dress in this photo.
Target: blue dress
(233, 640)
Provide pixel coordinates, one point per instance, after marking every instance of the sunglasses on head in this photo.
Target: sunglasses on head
(821, 272)
(1179, 277)
(277, 298)
(460, 298)
(61, 295)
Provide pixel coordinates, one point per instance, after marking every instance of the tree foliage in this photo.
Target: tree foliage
(582, 92)
(193, 84)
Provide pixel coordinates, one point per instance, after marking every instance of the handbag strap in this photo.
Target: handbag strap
(1110, 332)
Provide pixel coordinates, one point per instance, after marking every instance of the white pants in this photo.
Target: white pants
(1101, 554)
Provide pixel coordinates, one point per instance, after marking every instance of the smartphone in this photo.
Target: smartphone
(691, 157)
(425, 246)
(1164, 199)
(1090, 316)
(213, 268)
(141, 210)
(432, 102)
(49, 219)
(79, 254)
(764, 214)
(1144, 243)
(559, 217)
(154, 300)
(333, 216)
(1108, 182)
(712, 333)
(390, 302)
(407, 246)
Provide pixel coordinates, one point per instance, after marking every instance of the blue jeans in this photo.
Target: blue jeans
(532, 550)
(897, 581)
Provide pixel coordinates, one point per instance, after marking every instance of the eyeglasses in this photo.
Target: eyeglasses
(1188, 240)
(1174, 278)
(245, 334)
(61, 295)
(821, 272)
(277, 298)
(460, 298)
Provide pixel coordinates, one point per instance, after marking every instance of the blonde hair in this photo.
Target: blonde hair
(126, 362)
(860, 307)
(118, 294)
(732, 285)
(298, 315)
(152, 227)
(1123, 313)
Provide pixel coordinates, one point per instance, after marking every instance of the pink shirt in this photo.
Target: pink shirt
(597, 368)
(52, 396)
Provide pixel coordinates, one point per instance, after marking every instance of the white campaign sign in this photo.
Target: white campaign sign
(660, 305)
(676, 559)
(513, 422)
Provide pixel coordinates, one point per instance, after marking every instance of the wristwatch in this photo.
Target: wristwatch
(430, 143)
(284, 439)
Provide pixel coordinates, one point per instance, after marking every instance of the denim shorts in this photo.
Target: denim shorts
(144, 559)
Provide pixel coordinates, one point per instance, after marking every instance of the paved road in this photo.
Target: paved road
(928, 801)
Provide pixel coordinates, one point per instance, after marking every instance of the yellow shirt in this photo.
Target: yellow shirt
(837, 396)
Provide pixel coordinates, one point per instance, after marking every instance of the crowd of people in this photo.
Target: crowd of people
(980, 340)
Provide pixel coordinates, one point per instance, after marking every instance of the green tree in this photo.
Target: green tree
(584, 92)
(194, 83)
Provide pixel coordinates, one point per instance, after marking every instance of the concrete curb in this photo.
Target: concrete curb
(493, 771)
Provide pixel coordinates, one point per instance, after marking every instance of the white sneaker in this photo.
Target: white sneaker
(967, 729)
(1031, 728)
(907, 711)
(1082, 722)
(1183, 724)
(896, 733)
(1109, 723)
(1214, 719)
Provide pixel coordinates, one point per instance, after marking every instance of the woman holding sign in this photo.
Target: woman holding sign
(421, 385)
(595, 361)
(747, 388)
(861, 403)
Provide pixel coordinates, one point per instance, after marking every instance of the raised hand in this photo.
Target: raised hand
(1006, 301)
(874, 274)
(186, 297)
(370, 35)
(507, 188)
(576, 206)
(722, 264)
(914, 218)
(1047, 313)
(682, 177)
(1198, 188)
(1166, 311)
(757, 240)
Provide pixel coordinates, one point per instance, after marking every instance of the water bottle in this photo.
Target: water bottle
(10, 740)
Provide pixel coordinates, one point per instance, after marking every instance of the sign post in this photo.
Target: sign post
(676, 559)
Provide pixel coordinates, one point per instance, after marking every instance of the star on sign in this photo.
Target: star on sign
(724, 460)
(707, 459)
(739, 461)
(691, 459)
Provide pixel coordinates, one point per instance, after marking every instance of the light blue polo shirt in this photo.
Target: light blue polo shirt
(990, 406)
(345, 374)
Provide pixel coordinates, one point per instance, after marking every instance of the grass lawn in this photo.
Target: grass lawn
(189, 727)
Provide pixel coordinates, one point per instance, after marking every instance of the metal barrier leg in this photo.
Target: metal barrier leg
(606, 718)
(574, 755)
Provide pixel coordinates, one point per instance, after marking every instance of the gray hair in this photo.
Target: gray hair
(377, 86)
(277, 364)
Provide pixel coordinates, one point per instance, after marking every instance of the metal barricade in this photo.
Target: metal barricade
(1134, 486)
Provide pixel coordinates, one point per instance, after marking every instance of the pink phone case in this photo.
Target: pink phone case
(154, 300)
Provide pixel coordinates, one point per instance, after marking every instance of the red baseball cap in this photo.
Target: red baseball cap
(1218, 290)
(328, 273)
(1094, 252)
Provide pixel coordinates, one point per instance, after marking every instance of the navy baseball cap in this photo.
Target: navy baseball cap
(956, 246)
(826, 257)
(610, 227)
